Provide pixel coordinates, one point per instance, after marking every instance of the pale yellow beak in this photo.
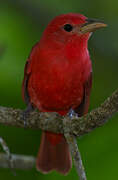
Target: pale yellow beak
(91, 25)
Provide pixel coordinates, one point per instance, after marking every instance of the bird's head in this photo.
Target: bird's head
(71, 26)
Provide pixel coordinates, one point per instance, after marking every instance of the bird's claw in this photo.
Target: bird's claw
(24, 117)
(72, 113)
(25, 114)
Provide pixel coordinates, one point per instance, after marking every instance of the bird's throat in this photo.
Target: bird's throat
(77, 49)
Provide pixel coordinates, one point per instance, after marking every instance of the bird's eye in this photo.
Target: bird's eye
(68, 27)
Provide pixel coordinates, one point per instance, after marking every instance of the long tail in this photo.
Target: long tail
(53, 154)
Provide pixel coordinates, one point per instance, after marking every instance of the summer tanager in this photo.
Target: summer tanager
(58, 78)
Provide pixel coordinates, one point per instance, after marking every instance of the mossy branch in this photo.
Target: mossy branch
(58, 124)
(53, 122)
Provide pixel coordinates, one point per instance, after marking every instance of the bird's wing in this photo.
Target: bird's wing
(83, 107)
(27, 72)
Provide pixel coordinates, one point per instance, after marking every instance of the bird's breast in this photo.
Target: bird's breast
(57, 86)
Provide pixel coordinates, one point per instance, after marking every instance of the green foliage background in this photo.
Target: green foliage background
(21, 25)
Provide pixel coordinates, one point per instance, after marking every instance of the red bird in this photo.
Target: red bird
(58, 78)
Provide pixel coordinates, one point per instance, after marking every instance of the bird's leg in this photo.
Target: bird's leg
(26, 113)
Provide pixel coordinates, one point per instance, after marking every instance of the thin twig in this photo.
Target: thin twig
(71, 140)
(9, 156)
(20, 161)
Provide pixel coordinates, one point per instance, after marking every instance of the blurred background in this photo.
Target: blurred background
(21, 25)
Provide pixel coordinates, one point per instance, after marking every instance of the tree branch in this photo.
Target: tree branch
(71, 140)
(7, 151)
(19, 161)
(52, 121)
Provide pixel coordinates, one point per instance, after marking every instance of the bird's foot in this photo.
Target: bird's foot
(25, 114)
(72, 113)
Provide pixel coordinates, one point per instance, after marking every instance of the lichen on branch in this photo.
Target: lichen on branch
(53, 122)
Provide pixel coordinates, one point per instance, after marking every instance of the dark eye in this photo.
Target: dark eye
(68, 27)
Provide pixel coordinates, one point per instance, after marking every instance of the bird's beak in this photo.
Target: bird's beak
(91, 25)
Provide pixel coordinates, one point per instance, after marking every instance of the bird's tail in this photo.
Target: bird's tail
(53, 154)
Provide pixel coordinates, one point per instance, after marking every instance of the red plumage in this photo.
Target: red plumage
(58, 77)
